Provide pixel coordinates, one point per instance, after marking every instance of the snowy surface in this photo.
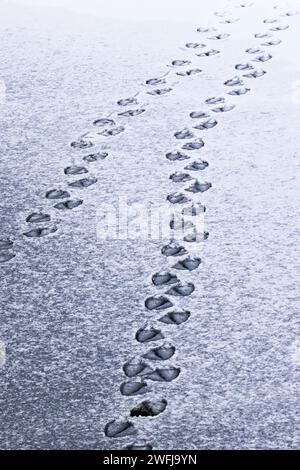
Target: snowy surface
(71, 303)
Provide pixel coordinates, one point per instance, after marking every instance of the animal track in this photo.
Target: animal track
(173, 250)
(263, 58)
(81, 144)
(112, 132)
(6, 256)
(236, 81)
(136, 368)
(158, 303)
(244, 67)
(215, 100)
(273, 42)
(127, 101)
(115, 429)
(175, 318)
(132, 112)
(102, 122)
(188, 73)
(5, 245)
(184, 134)
(262, 35)
(181, 290)
(38, 217)
(199, 115)
(164, 375)
(204, 29)
(255, 74)
(270, 20)
(176, 156)
(161, 353)
(188, 264)
(198, 187)
(279, 27)
(208, 124)
(40, 232)
(164, 279)
(220, 36)
(180, 63)
(177, 198)
(68, 205)
(199, 165)
(195, 45)
(132, 388)
(225, 108)
(75, 170)
(239, 91)
(254, 50)
(146, 335)
(83, 183)
(149, 408)
(159, 91)
(157, 81)
(209, 53)
(180, 177)
(197, 144)
(95, 157)
(57, 194)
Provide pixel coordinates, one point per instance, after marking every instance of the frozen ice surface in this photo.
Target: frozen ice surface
(71, 303)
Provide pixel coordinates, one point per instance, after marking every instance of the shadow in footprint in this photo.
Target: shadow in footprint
(146, 335)
(161, 353)
(69, 205)
(149, 408)
(175, 318)
(115, 429)
(40, 232)
(132, 388)
(167, 374)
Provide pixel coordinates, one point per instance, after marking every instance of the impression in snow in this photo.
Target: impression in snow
(176, 156)
(149, 408)
(173, 250)
(112, 132)
(188, 73)
(75, 170)
(6, 244)
(244, 67)
(57, 194)
(215, 100)
(262, 35)
(199, 115)
(139, 446)
(272, 42)
(180, 63)
(6, 256)
(180, 177)
(177, 198)
(280, 27)
(128, 101)
(209, 53)
(197, 144)
(255, 74)
(146, 335)
(161, 353)
(195, 45)
(188, 264)
(132, 112)
(69, 205)
(184, 134)
(158, 303)
(254, 50)
(175, 318)
(164, 279)
(238, 91)
(40, 232)
(224, 109)
(199, 165)
(104, 122)
(115, 429)
(135, 368)
(205, 29)
(208, 124)
(159, 91)
(38, 217)
(83, 183)
(220, 36)
(95, 157)
(262, 58)
(132, 388)
(235, 81)
(81, 144)
(167, 374)
(182, 290)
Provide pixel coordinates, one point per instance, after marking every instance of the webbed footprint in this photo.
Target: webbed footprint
(209, 53)
(159, 91)
(75, 170)
(115, 429)
(254, 50)
(188, 73)
(197, 144)
(164, 279)
(181, 290)
(262, 35)
(146, 335)
(239, 91)
(94, 157)
(188, 264)
(195, 45)
(133, 388)
(38, 217)
(205, 29)
(173, 250)
(40, 232)
(136, 368)
(184, 134)
(208, 124)
(161, 353)
(176, 156)
(175, 318)
(167, 374)
(177, 198)
(180, 177)
(83, 183)
(149, 408)
(199, 165)
(68, 205)
(158, 303)
(57, 194)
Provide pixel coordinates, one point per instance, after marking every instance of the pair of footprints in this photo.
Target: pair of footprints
(65, 203)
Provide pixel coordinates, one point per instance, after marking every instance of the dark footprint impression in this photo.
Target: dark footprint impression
(184, 134)
(128, 101)
(115, 429)
(262, 35)
(177, 198)
(161, 353)
(158, 303)
(205, 29)
(176, 156)
(149, 408)
(104, 122)
(146, 335)
(239, 91)
(40, 232)
(159, 91)
(182, 290)
(208, 124)
(188, 264)
(199, 165)
(57, 194)
(157, 81)
(75, 170)
(112, 132)
(173, 250)
(199, 115)
(189, 73)
(175, 318)
(83, 183)
(197, 144)
(272, 42)
(263, 58)
(215, 100)
(244, 67)
(195, 45)
(164, 279)
(224, 109)
(136, 368)
(81, 144)
(38, 217)
(236, 81)
(180, 63)
(255, 74)
(220, 36)
(198, 187)
(180, 177)
(167, 374)
(95, 157)
(254, 50)
(68, 205)
(132, 112)
(209, 53)
(132, 388)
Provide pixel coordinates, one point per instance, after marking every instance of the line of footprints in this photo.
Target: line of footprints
(151, 365)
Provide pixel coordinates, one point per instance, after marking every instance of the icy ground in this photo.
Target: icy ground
(71, 303)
